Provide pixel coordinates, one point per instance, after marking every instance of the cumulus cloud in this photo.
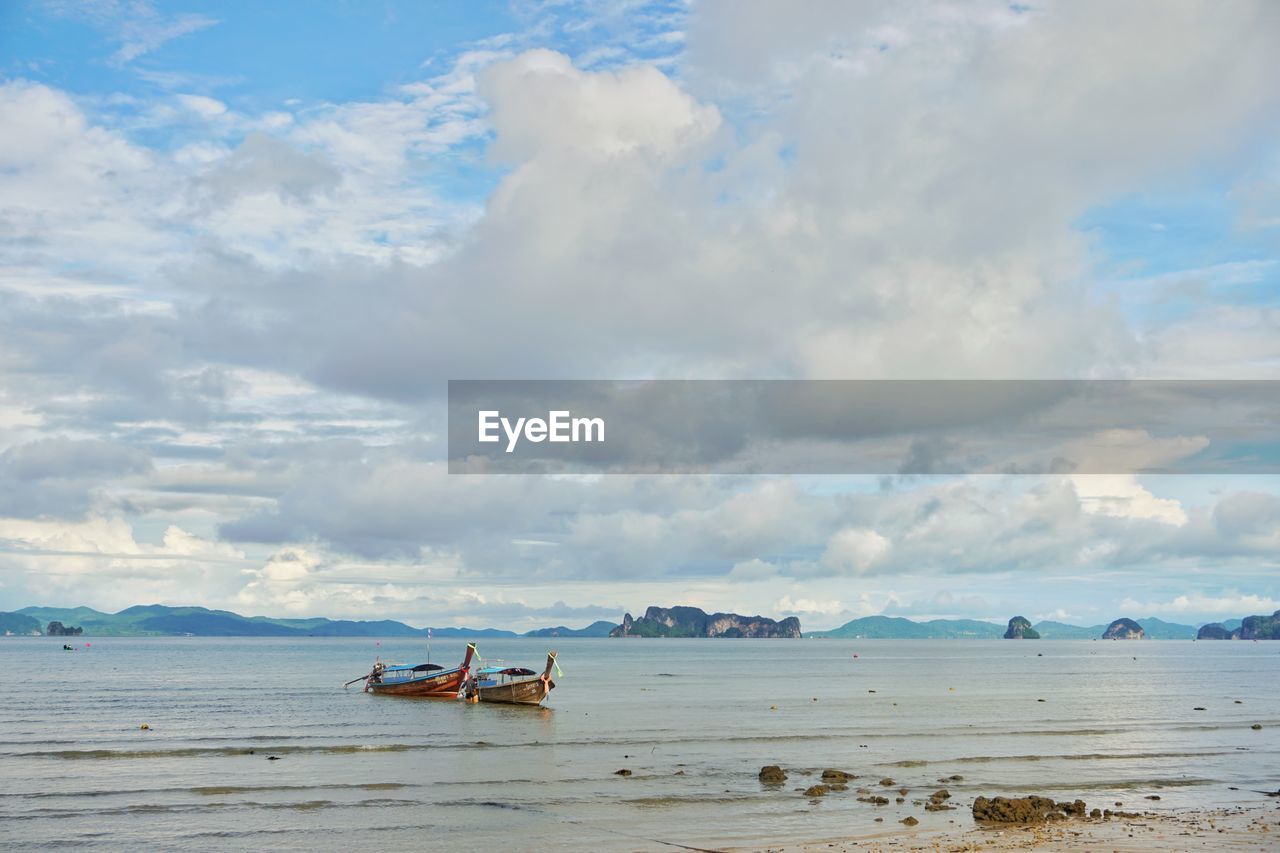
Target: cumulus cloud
(248, 332)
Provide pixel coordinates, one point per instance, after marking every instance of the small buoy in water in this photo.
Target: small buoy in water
(855, 655)
(815, 698)
(145, 727)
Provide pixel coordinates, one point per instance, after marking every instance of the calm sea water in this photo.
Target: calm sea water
(693, 720)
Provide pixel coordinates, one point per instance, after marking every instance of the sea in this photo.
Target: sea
(253, 743)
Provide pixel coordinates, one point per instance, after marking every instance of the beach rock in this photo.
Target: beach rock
(938, 806)
(1096, 813)
(888, 783)
(1257, 727)
(1031, 809)
(1020, 629)
(772, 774)
(816, 791)
(940, 795)
(904, 791)
(623, 772)
(875, 801)
(1075, 809)
(1124, 629)
(1153, 796)
(832, 775)
(909, 821)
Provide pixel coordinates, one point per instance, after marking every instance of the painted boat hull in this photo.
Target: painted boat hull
(442, 685)
(529, 692)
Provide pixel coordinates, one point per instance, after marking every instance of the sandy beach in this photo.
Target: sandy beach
(1253, 828)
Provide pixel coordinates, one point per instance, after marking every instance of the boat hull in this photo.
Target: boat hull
(442, 685)
(530, 692)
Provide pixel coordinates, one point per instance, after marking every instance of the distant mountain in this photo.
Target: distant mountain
(1050, 630)
(696, 622)
(149, 620)
(18, 623)
(471, 632)
(157, 619)
(1158, 629)
(595, 629)
(897, 628)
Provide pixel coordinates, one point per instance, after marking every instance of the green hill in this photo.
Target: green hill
(159, 620)
(1050, 630)
(897, 628)
(18, 623)
(595, 629)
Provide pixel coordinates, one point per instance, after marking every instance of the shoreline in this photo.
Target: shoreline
(1253, 827)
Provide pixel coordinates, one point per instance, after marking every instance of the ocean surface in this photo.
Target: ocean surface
(693, 720)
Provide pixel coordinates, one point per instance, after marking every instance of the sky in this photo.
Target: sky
(244, 246)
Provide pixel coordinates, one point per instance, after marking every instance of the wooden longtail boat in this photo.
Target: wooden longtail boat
(512, 685)
(424, 679)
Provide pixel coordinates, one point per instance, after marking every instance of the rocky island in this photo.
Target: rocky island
(1251, 628)
(1020, 629)
(1124, 629)
(695, 622)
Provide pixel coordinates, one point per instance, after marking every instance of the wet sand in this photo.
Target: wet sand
(1242, 828)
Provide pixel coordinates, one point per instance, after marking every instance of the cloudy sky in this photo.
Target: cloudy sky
(243, 246)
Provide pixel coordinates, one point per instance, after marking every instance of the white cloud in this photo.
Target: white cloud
(1123, 496)
(1231, 604)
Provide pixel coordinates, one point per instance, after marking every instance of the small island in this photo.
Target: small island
(696, 622)
(57, 629)
(1251, 628)
(1124, 629)
(1020, 629)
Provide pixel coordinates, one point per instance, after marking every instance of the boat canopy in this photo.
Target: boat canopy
(422, 667)
(506, 670)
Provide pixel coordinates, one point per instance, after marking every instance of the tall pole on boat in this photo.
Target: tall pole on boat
(428, 645)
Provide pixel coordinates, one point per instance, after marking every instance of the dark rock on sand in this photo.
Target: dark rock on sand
(1020, 629)
(772, 774)
(623, 772)
(830, 775)
(1075, 809)
(816, 791)
(909, 821)
(1257, 727)
(1031, 809)
(888, 783)
(1096, 813)
(875, 801)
